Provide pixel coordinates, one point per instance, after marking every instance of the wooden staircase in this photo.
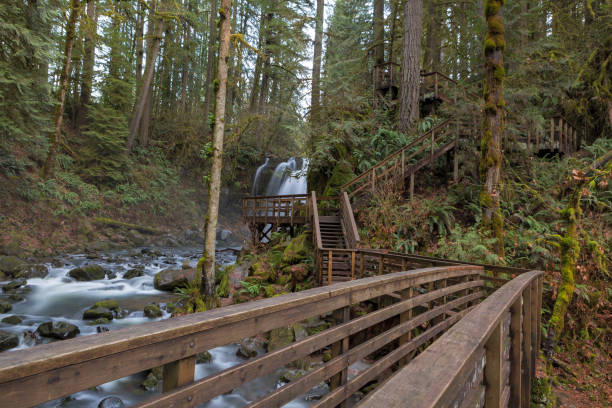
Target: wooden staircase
(332, 234)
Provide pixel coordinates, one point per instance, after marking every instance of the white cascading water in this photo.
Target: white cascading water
(256, 181)
(289, 178)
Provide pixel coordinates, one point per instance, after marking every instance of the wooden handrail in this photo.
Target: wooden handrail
(316, 228)
(468, 360)
(46, 372)
(348, 219)
(302, 196)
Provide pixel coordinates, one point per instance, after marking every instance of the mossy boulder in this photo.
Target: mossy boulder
(33, 271)
(280, 338)
(204, 357)
(153, 380)
(8, 340)
(263, 271)
(104, 309)
(11, 265)
(152, 311)
(249, 347)
(87, 273)
(135, 272)
(111, 402)
(169, 279)
(15, 284)
(299, 332)
(342, 173)
(297, 250)
(5, 306)
(58, 330)
(13, 320)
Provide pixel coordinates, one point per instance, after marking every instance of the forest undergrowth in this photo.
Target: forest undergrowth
(443, 221)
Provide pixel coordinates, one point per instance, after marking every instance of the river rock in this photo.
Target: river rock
(88, 273)
(169, 279)
(203, 357)
(299, 332)
(249, 347)
(279, 338)
(11, 265)
(8, 340)
(135, 272)
(102, 329)
(5, 306)
(104, 309)
(58, 330)
(292, 375)
(111, 402)
(153, 379)
(317, 392)
(16, 284)
(33, 271)
(12, 320)
(152, 311)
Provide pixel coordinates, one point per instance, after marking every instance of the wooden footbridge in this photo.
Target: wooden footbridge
(427, 332)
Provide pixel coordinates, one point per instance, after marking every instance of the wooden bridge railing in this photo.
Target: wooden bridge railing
(487, 359)
(278, 210)
(427, 302)
(348, 222)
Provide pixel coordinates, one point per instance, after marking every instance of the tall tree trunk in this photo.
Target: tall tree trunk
(212, 39)
(48, 169)
(145, 90)
(411, 65)
(186, 62)
(493, 124)
(139, 45)
(88, 61)
(432, 49)
(315, 99)
(206, 266)
(265, 77)
(394, 14)
(379, 32)
(258, 64)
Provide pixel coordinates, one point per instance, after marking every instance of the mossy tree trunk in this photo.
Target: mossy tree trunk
(411, 65)
(54, 139)
(493, 124)
(316, 67)
(206, 266)
(570, 251)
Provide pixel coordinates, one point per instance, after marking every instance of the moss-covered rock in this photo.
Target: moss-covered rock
(298, 249)
(152, 311)
(98, 313)
(11, 265)
(262, 270)
(134, 273)
(8, 340)
(13, 319)
(342, 173)
(280, 338)
(58, 330)
(88, 273)
(5, 306)
(15, 284)
(169, 279)
(33, 271)
(153, 380)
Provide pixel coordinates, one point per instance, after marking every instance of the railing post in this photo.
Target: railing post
(340, 347)
(352, 265)
(178, 373)
(526, 366)
(493, 368)
(361, 265)
(411, 186)
(330, 261)
(516, 314)
(404, 317)
(533, 288)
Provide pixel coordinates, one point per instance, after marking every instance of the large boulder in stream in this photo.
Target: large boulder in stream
(33, 271)
(58, 330)
(8, 340)
(12, 285)
(111, 402)
(170, 278)
(11, 265)
(88, 273)
(5, 306)
(104, 309)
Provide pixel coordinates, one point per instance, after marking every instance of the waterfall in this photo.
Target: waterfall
(256, 181)
(289, 177)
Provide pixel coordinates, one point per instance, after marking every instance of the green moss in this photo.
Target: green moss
(495, 25)
(342, 173)
(490, 108)
(491, 8)
(501, 104)
(499, 73)
(489, 46)
(108, 304)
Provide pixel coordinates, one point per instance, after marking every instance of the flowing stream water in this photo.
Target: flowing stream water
(57, 297)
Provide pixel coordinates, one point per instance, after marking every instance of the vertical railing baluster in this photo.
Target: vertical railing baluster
(493, 368)
(526, 366)
(178, 373)
(516, 314)
(329, 267)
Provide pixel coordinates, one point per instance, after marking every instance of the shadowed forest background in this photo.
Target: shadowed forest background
(121, 135)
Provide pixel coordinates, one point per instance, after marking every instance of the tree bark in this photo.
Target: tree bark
(139, 45)
(206, 266)
(212, 39)
(88, 62)
(379, 32)
(432, 50)
(265, 77)
(411, 65)
(145, 90)
(315, 98)
(258, 64)
(493, 124)
(48, 169)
